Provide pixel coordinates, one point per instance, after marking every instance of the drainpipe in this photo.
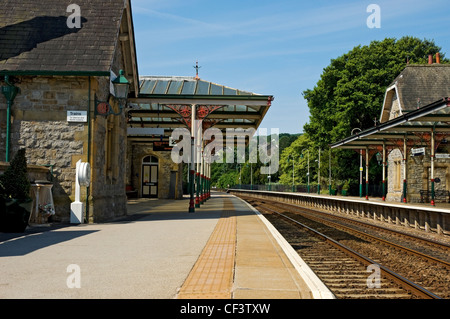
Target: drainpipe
(405, 163)
(9, 91)
(88, 189)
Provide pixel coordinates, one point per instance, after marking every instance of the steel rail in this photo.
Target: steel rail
(376, 227)
(381, 240)
(402, 281)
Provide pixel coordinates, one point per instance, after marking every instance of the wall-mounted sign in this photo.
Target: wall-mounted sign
(77, 116)
(418, 151)
(161, 146)
(145, 131)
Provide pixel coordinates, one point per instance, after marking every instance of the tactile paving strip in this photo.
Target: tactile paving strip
(212, 275)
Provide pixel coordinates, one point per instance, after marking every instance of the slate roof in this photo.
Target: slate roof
(427, 82)
(34, 35)
(183, 85)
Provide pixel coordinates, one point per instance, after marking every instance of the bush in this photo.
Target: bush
(14, 191)
(15, 179)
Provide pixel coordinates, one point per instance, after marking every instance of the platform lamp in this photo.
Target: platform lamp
(307, 174)
(121, 89)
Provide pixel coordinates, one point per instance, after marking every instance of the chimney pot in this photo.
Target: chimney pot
(438, 58)
(430, 59)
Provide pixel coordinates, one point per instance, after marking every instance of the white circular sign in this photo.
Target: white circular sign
(84, 174)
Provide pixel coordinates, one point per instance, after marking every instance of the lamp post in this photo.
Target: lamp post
(329, 172)
(318, 174)
(121, 89)
(240, 176)
(360, 166)
(293, 174)
(251, 176)
(307, 174)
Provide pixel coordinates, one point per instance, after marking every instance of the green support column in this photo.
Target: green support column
(432, 166)
(405, 170)
(9, 91)
(360, 174)
(384, 171)
(329, 173)
(367, 173)
(192, 164)
(197, 198)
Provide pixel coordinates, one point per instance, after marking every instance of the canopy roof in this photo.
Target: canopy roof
(415, 126)
(166, 102)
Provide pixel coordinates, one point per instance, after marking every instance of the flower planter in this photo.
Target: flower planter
(15, 217)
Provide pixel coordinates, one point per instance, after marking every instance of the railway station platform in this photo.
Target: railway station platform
(224, 250)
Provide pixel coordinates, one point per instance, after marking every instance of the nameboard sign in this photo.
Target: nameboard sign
(161, 146)
(418, 151)
(145, 131)
(77, 116)
(442, 155)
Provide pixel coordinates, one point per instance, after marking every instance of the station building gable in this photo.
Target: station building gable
(57, 69)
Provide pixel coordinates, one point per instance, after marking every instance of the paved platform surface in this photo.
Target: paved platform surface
(223, 250)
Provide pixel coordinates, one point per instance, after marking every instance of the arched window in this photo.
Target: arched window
(150, 160)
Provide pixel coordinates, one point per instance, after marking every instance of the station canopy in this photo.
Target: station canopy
(165, 103)
(415, 128)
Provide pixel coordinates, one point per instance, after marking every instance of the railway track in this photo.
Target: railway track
(407, 272)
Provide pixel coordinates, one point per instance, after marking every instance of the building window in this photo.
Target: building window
(150, 160)
(397, 175)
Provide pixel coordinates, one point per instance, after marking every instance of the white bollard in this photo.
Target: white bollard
(82, 178)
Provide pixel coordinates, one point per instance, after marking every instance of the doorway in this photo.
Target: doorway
(150, 177)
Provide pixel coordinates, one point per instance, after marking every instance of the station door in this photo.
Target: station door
(150, 177)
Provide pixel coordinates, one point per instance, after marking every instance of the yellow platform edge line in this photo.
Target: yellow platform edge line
(213, 273)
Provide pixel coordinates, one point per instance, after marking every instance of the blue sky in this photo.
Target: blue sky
(277, 48)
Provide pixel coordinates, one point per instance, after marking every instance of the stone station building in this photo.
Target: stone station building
(412, 136)
(55, 69)
(58, 63)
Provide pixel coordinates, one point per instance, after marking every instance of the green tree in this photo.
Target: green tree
(350, 94)
(351, 89)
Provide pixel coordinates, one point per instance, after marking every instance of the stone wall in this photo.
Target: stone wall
(418, 176)
(39, 124)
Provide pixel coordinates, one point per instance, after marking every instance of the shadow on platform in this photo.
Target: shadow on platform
(20, 244)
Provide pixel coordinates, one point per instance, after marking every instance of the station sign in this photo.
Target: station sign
(161, 146)
(418, 151)
(145, 131)
(77, 116)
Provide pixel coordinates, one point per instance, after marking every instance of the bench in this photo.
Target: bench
(131, 192)
(441, 195)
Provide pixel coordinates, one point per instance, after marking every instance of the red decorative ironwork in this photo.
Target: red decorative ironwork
(184, 111)
(426, 137)
(204, 110)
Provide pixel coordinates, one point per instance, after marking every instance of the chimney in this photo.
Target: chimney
(438, 58)
(430, 59)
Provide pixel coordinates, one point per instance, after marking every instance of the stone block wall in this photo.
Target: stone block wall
(418, 176)
(39, 124)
